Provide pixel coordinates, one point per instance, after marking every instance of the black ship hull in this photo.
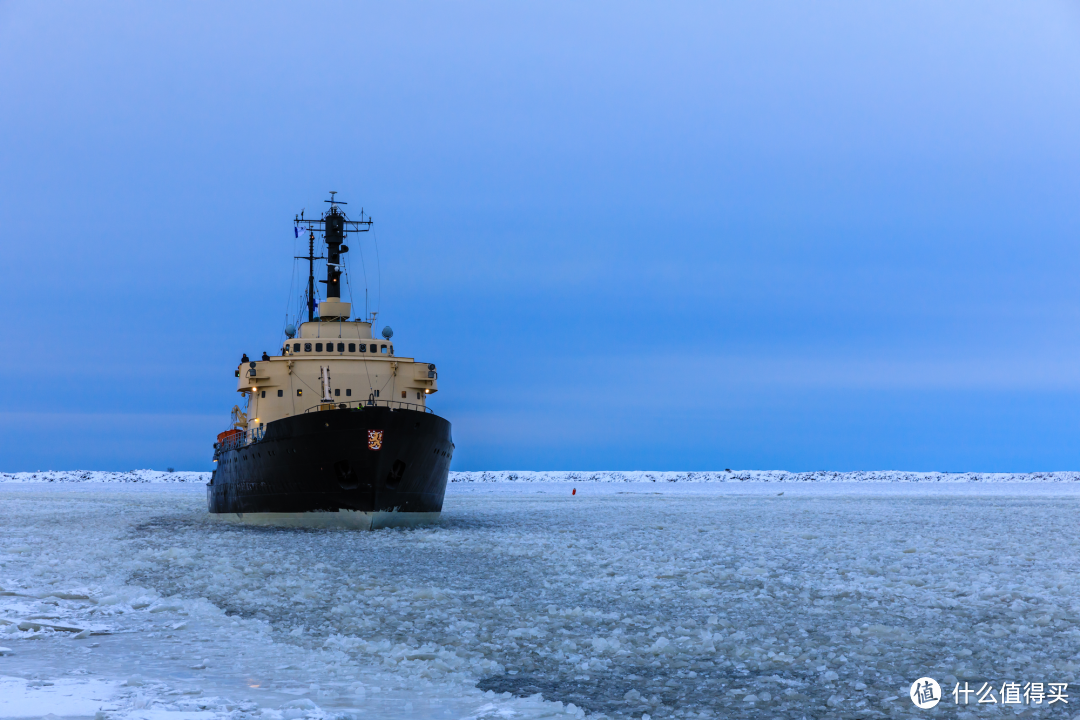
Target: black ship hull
(362, 467)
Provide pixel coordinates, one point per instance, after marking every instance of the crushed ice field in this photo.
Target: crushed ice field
(666, 600)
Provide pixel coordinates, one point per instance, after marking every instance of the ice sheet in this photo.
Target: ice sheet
(21, 698)
(602, 476)
(666, 599)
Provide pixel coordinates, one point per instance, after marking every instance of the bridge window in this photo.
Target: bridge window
(363, 347)
(307, 347)
(341, 347)
(280, 393)
(352, 347)
(374, 348)
(318, 347)
(329, 347)
(384, 349)
(296, 347)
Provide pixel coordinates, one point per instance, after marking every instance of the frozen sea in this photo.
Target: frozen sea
(666, 600)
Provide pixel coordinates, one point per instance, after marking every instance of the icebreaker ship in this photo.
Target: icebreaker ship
(336, 430)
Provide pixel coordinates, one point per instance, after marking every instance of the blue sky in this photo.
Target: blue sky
(828, 235)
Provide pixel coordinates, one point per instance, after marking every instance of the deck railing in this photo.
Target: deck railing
(239, 440)
(370, 402)
(255, 434)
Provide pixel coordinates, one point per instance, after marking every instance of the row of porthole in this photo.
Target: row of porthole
(300, 392)
(384, 349)
(337, 393)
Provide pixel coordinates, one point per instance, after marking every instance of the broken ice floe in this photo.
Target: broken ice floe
(663, 605)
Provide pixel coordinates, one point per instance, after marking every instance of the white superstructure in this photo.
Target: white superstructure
(329, 364)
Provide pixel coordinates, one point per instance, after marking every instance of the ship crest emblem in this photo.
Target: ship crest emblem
(374, 439)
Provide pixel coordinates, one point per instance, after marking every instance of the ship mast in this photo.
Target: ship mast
(311, 258)
(335, 226)
(311, 277)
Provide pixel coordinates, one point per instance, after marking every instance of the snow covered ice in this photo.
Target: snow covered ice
(729, 600)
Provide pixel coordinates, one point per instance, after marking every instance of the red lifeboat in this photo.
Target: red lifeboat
(228, 435)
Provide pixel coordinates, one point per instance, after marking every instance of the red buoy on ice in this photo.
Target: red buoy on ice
(574, 492)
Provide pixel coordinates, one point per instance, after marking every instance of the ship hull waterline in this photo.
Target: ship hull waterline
(356, 468)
